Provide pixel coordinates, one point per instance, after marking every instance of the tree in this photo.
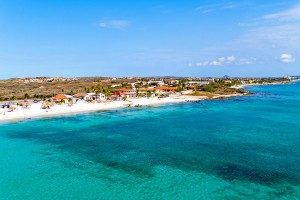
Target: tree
(180, 86)
(137, 87)
(107, 90)
(71, 93)
(100, 88)
(87, 90)
(125, 85)
(97, 89)
(26, 96)
(149, 94)
(13, 98)
(207, 88)
(153, 84)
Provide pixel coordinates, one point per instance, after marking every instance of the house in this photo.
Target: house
(160, 83)
(202, 82)
(124, 92)
(167, 89)
(147, 91)
(80, 95)
(60, 97)
(94, 97)
(171, 81)
(192, 87)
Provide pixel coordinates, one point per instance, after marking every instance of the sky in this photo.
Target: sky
(194, 38)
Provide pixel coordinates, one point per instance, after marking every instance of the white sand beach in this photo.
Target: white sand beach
(35, 110)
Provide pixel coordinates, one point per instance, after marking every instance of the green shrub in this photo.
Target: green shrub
(208, 88)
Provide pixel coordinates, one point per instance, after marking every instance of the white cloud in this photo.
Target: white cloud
(231, 59)
(215, 7)
(285, 35)
(292, 14)
(280, 30)
(114, 24)
(222, 59)
(215, 63)
(287, 58)
(225, 60)
(245, 61)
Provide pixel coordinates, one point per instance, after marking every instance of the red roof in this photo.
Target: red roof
(147, 89)
(167, 88)
(59, 97)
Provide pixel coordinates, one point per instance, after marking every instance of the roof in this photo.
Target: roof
(147, 89)
(166, 88)
(78, 95)
(59, 97)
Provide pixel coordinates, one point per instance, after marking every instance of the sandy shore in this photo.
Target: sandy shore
(35, 111)
(262, 84)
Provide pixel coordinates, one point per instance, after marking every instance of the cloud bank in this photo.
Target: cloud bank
(281, 29)
(223, 61)
(287, 58)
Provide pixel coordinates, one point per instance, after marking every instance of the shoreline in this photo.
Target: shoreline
(35, 111)
(266, 84)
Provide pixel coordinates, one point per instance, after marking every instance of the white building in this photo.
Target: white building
(94, 97)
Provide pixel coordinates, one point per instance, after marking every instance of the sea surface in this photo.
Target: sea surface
(242, 148)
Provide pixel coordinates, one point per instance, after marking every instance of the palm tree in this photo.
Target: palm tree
(98, 90)
(137, 89)
(107, 90)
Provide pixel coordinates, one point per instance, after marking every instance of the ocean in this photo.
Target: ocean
(240, 148)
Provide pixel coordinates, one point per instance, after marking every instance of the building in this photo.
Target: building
(125, 92)
(94, 97)
(60, 97)
(147, 91)
(160, 82)
(192, 83)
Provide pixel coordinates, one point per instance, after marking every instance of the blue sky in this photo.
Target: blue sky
(149, 38)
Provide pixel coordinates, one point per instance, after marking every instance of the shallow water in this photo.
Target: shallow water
(243, 148)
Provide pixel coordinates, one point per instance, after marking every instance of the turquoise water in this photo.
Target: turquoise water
(241, 148)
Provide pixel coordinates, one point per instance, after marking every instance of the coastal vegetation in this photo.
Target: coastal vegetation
(220, 87)
(43, 87)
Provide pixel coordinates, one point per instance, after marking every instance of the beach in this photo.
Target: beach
(35, 110)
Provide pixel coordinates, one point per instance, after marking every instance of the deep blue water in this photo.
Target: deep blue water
(244, 148)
